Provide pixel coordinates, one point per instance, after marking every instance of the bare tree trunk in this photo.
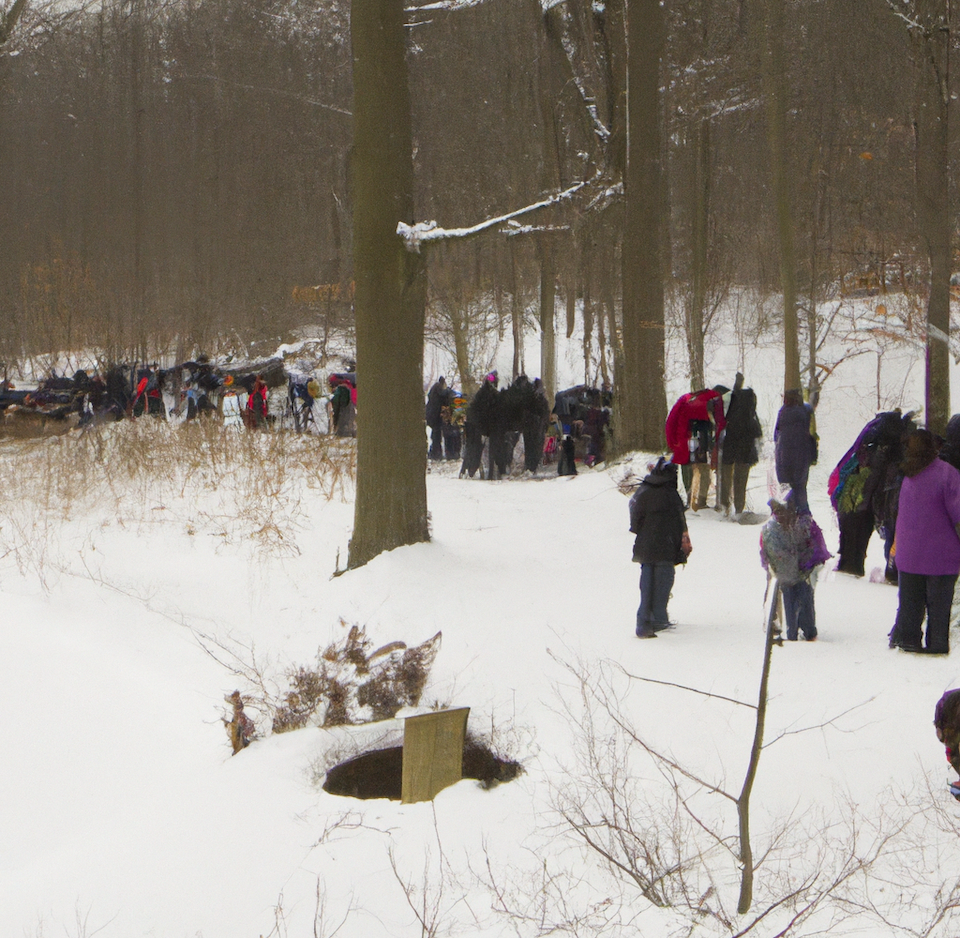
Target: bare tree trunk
(137, 57)
(743, 802)
(516, 315)
(933, 203)
(548, 298)
(770, 26)
(640, 387)
(701, 221)
(588, 318)
(467, 380)
(391, 504)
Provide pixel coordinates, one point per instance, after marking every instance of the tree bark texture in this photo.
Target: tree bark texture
(640, 386)
(770, 25)
(933, 213)
(548, 329)
(699, 252)
(391, 504)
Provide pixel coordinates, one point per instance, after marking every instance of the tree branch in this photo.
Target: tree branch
(425, 232)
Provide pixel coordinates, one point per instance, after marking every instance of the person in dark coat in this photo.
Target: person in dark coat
(536, 415)
(436, 399)
(795, 446)
(865, 487)
(658, 521)
(950, 450)
(739, 450)
(567, 464)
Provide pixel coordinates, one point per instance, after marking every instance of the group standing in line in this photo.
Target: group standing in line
(896, 478)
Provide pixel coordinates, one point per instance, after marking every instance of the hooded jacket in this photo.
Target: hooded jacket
(794, 449)
(657, 517)
(743, 429)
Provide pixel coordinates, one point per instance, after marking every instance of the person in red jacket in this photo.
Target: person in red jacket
(257, 403)
(692, 428)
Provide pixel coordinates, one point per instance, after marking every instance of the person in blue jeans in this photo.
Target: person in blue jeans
(792, 547)
(657, 519)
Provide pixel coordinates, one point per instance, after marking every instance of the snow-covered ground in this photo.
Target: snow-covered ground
(125, 815)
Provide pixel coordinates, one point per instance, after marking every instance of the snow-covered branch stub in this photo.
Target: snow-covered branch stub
(426, 231)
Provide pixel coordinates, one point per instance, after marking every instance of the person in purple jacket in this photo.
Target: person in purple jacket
(927, 547)
(795, 446)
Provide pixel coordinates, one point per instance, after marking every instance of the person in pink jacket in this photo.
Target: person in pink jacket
(927, 547)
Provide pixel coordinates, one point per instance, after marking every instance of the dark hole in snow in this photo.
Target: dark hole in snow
(378, 774)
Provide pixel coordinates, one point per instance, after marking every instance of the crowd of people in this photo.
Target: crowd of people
(897, 479)
(495, 419)
(256, 396)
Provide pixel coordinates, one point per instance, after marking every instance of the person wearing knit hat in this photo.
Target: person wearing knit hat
(791, 548)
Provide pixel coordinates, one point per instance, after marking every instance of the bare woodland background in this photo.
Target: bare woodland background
(178, 172)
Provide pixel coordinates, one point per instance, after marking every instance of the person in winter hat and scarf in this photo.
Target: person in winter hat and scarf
(657, 519)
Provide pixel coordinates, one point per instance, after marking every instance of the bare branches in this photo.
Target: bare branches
(692, 690)
(680, 852)
(427, 898)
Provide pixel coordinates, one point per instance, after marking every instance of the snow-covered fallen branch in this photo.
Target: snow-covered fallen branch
(422, 232)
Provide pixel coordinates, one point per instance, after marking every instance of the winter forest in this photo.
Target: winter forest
(178, 173)
(643, 196)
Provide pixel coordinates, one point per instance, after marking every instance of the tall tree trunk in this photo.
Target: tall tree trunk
(701, 221)
(137, 171)
(391, 505)
(771, 25)
(548, 329)
(586, 259)
(933, 203)
(458, 321)
(11, 343)
(516, 314)
(640, 387)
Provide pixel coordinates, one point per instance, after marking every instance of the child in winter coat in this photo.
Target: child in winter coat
(657, 518)
(792, 547)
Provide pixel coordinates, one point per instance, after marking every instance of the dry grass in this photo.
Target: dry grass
(350, 683)
(202, 476)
